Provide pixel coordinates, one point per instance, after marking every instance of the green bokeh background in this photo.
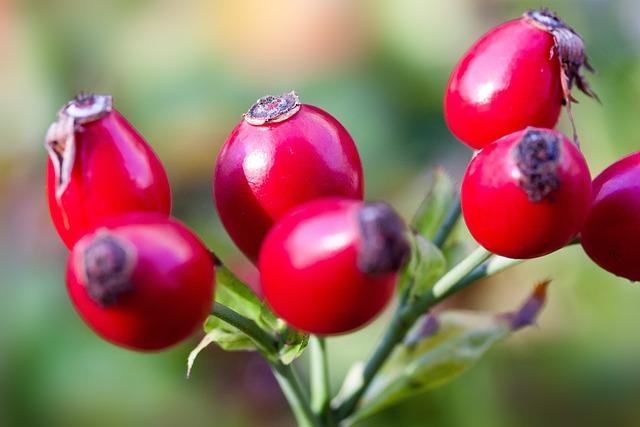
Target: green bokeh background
(183, 72)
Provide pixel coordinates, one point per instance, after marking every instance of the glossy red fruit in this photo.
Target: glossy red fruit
(517, 75)
(99, 166)
(142, 281)
(527, 194)
(281, 155)
(329, 266)
(612, 230)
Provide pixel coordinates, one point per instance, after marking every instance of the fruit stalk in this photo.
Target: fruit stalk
(320, 381)
(295, 395)
(284, 374)
(450, 221)
(404, 319)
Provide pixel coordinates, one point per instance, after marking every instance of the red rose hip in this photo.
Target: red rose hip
(99, 166)
(527, 194)
(517, 75)
(142, 281)
(329, 266)
(612, 230)
(281, 155)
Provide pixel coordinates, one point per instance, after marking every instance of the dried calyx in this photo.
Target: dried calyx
(108, 263)
(385, 246)
(536, 156)
(570, 48)
(60, 139)
(273, 109)
(87, 107)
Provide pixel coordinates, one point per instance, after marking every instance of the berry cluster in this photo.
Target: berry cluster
(144, 281)
(288, 185)
(139, 278)
(527, 191)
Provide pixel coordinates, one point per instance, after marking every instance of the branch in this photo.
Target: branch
(406, 316)
(285, 374)
(320, 381)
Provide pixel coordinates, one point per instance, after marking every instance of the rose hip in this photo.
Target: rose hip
(142, 281)
(518, 74)
(279, 156)
(329, 266)
(99, 166)
(527, 194)
(612, 230)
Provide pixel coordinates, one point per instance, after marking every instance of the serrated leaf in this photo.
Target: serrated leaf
(442, 347)
(433, 209)
(426, 265)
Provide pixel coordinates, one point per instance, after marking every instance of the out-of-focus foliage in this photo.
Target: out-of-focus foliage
(183, 72)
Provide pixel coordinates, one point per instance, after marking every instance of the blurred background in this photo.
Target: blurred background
(183, 72)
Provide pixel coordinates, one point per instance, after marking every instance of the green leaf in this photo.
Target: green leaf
(352, 382)
(236, 295)
(221, 333)
(293, 344)
(268, 320)
(457, 249)
(433, 210)
(226, 336)
(426, 265)
(442, 347)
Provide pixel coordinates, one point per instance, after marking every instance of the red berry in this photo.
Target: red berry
(527, 194)
(281, 155)
(142, 281)
(612, 230)
(517, 75)
(329, 266)
(99, 166)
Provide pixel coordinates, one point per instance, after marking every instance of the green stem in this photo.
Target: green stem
(295, 395)
(285, 374)
(405, 317)
(450, 221)
(452, 277)
(320, 384)
(494, 266)
(249, 327)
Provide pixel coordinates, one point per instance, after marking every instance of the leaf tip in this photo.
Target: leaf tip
(528, 312)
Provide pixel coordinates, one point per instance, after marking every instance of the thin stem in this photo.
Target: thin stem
(320, 384)
(493, 266)
(295, 395)
(248, 326)
(405, 317)
(285, 374)
(453, 276)
(450, 221)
